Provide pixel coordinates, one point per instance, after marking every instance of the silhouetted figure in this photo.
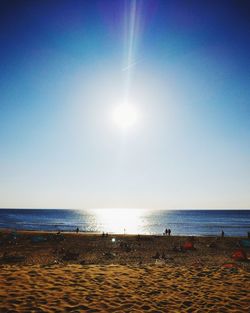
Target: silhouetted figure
(166, 231)
(222, 234)
(169, 232)
(77, 230)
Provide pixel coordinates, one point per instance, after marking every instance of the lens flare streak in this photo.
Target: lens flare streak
(131, 27)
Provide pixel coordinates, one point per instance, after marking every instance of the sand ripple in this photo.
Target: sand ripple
(117, 288)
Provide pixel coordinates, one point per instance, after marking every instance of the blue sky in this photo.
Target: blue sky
(62, 76)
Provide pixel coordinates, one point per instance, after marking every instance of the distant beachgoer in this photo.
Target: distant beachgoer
(77, 230)
(103, 234)
(222, 234)
(169, 232)
(166, 231)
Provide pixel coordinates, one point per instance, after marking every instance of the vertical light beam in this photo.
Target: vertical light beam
(131, 26)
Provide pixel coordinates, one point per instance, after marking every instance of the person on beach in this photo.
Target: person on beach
(166, 231)
(222, 234)
(77, 230)
(169, 232)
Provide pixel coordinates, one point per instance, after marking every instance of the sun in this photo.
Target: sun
(125, 116)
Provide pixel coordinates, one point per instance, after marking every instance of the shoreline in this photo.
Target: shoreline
(4, 231)
(99, 233)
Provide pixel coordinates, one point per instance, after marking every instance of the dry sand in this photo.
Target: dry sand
(88, 273)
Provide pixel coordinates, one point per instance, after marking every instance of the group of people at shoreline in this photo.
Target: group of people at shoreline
(167, 232)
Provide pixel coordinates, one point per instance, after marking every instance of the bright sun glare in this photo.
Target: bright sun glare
(125, 116)
(119, 220)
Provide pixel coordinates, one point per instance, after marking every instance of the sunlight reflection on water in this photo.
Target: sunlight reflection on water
(118, 221)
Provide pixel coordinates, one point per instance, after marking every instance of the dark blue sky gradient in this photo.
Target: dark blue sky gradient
(194, 53)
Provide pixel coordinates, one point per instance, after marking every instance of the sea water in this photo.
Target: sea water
(130, 221)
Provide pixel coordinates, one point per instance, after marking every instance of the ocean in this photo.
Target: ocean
(130, 221)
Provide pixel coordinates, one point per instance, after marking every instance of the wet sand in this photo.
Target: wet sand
(90, 273)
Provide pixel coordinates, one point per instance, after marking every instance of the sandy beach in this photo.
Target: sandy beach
(49, 272)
